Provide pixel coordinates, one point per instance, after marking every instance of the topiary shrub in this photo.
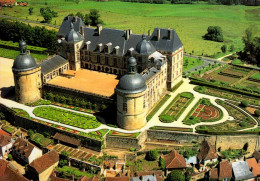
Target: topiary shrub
(257, 113)
(244, 103)
(151, 155)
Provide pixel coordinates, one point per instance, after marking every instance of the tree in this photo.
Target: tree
(80, 15)
(257, 113)
(162, 163)
(152, 155)
(30, 132)
(2, 116)
(95, 17)
(232, 48)
(47, 16)
(77, 1)
(64, 157)
(87, 19)
(10, 157)
(224, 48)
(189, 171)
(175, 175)
(214, 33)
(30, 11)
(244, 103)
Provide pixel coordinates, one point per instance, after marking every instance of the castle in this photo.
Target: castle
(144, 68)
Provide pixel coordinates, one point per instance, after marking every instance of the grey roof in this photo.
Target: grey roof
(132, 61)
(164, 43)
(24, 62)
(65, 26)
(150, 73)
(144, 178)
(73, 36)
(52, 63)
(192, 159)
(241, 170)
(131, 84)
(145, 47)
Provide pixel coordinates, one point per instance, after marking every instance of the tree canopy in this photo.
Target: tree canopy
(214, 33)
(176, 175)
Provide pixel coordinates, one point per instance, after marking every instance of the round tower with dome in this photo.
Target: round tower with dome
(131, 102)
(27, 77)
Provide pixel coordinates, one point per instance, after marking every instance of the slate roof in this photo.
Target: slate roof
(241, 170)
(67, 139)
(7, 173)
(174, 160)
(5, 140)
(222, 171)
(254, 166)
(118, 38)
(23, 147)
(45, 161)
(52, 63)
(207, 151)
(65, 26)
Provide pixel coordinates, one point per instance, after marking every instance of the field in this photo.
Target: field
(190, 21)
(67, 117)
(174, 110)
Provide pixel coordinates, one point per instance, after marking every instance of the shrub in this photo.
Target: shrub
(10, 157)
(132, 149)
(214, 33)
(244, 103)
(167, 118)
(257, 112)
(243, 124)
(224, 48)
(162, 163)
(152, 155)
(176, 175)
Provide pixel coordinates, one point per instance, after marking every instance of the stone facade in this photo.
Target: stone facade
(28, 85)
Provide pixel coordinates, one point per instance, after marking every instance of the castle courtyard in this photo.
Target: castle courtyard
(88, 81)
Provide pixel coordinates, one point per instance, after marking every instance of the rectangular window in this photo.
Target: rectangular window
(98, 58)
(125, 107)
(106, 60)
(114, 62)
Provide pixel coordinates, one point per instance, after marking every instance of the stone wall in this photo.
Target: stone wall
(222, 142)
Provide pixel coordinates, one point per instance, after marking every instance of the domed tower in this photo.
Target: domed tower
(27, 77)
(131, 103)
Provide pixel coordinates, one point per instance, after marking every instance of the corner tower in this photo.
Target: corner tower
(131, 102)
(27, 77)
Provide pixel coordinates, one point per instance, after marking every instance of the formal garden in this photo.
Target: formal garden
(171, 128)
(203, 111)
(41, 140)
(174, 110)
(67, 117)
(241, 121)
(21, 112)
(120, 134)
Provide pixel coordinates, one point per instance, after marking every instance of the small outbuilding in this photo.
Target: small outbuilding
(66, 140)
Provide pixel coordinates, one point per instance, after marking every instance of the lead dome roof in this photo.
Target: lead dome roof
(145, 47)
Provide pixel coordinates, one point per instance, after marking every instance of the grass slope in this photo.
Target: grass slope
(190, 21)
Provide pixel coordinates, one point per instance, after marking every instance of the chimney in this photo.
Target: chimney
(149, 32)
(131, 51)
(116, 50)
(88, 44)
(82, 31)
(158, 34)
(99, 47)
(169, 34)
(109, 47)
(126, 35)
(99, 29)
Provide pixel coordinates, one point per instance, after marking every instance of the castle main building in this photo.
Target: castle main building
(146, 67)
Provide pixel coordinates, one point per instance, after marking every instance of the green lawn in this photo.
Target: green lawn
(189, 62)
(67, 117)
(255, 76)
(189, 20)
(41, 140)
(12, 54)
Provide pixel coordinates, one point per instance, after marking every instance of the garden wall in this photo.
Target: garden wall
(222, 142)
(126, 142)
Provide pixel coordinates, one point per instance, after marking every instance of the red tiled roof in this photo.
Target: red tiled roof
(222, 171)
(85, 178)
(8, 2)
(45, 161)
(5, 140)
(207, 151)
(67, 139)
(123, 178)
(2, 132)
(7, 173)
(254, 165)
(174, 160)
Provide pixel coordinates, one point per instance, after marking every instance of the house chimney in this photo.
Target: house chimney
(99, 47)
(82, 31)
(116, 50)
(88, 44)
(149, 32)
(131, 51)
(99, 29)
(158, 34)
(169, 34)
(109, 47)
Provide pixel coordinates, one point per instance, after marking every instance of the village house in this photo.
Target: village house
(158, 174)
(174, 161)
(223, 171)
(112, 168)
(256, 155)
(207, 154)
(6, 143)
(25, 151)
(8, 173)
(8, 3)
(121, 178)
(242, 171)
(254, 166)
(41, 168)
(85, 178)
